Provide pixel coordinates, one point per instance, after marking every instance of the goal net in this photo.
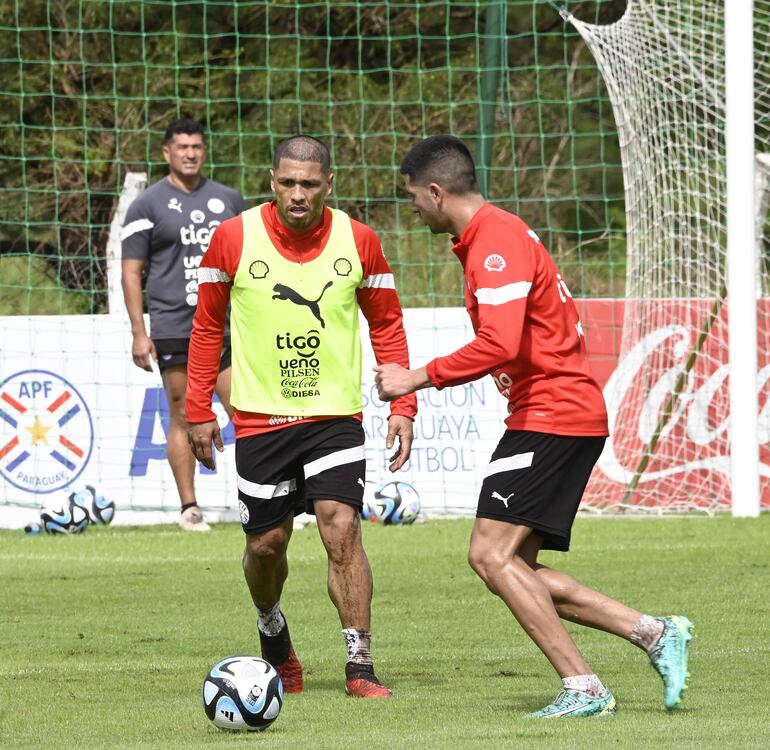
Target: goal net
(89, 87)
(664, 66)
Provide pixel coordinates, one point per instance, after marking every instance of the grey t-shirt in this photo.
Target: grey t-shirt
(170, 230)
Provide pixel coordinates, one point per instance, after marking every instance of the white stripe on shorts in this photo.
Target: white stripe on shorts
(206, 274)
(502, 294)
(338, 458)
(509, 463)
(266, 491)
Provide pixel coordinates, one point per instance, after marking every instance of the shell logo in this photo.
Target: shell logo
(343, 267)
(259, 269)
(494, 262)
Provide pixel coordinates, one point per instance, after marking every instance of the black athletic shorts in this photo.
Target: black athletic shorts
(537, 480)
(174, 352)
(283, 472)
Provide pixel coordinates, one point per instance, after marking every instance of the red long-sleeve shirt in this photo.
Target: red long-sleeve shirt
(528, 334)
(376, 297)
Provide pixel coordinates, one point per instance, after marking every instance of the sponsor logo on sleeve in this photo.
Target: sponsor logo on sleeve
(494, 262)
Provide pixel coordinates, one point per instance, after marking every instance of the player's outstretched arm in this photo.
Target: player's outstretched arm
(201, 436)
(394, 380)
(401, 428)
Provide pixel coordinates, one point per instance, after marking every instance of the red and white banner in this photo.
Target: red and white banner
(668, 405)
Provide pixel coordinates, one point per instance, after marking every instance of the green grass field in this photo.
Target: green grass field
(105, 639)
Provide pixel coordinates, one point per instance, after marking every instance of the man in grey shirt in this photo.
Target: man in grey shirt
(166, 232)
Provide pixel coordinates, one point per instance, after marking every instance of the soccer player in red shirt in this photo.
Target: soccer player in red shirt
(296, 273)
(529, 338)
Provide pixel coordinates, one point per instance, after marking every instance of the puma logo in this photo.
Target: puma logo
(498, 496)
(286, 292)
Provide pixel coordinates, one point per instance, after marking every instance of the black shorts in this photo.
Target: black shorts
(283, 472)
(174, 352)
(537, 480)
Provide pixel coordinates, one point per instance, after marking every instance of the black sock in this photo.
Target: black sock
(354, 671)
(187, 505)
(275, 648)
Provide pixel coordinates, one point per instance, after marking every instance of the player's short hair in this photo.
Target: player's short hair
(303, 148)
(185, 126)
(443, 159)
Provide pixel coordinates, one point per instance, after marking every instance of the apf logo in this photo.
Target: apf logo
(46, 431)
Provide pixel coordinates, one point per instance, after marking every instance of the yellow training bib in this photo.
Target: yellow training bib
(296, 344)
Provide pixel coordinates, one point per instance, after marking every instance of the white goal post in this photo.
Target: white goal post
(742, 229)
(133, 185)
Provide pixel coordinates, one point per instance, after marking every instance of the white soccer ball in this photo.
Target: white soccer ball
(98, 508)
(242, 694)
(395, 502)
(64, 517)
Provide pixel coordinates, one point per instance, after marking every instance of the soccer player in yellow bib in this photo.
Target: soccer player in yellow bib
(296, 273)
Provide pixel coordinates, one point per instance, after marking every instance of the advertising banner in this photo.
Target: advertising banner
(74, 410)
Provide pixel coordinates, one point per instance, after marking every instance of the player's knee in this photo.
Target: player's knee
(483, 568)
(265, 550)
(481, 562)
(340, 529)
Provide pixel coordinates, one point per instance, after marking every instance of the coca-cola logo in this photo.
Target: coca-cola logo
(695, 435)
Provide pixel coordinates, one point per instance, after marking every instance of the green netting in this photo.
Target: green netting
(88, 87)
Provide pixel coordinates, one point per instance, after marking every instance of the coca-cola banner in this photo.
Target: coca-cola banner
(665, 381)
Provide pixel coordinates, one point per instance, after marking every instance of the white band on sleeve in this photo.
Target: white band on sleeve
(206, 274)
(379, 281)
(502, 294)
(135, 226)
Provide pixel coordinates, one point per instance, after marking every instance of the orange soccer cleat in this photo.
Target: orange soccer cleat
(290, 673)
(362, 683)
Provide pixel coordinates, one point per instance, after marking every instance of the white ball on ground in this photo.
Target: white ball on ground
(242, 694)
(62, 516)
(100, 509)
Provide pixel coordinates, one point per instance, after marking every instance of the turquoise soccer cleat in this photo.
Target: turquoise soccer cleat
(669, 657)
(573, 704)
